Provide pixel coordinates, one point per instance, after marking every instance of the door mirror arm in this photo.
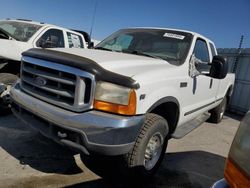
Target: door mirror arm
(193, 72)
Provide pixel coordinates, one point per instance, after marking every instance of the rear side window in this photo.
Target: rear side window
(53, 38)
(201, 50)
(212, 49)
(75, 41)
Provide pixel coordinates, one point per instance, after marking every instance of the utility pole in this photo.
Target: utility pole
(238, 54)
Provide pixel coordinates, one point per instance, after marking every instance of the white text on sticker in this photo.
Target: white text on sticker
(175, 36)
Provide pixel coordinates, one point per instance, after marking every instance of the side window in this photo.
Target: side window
(212, 49)
(75, 41)
(53, 38)
(201, 50)
(201, 53)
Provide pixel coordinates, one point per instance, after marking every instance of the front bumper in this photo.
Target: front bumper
(89, 132)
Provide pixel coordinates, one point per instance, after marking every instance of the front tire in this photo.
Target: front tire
(144, 158)
(149, 149)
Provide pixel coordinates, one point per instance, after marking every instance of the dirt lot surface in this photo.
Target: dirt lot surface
(30, 160)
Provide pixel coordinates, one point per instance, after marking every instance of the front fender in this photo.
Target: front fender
(156, 96)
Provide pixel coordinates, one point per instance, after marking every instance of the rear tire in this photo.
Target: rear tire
(218, 112)
(8, 80)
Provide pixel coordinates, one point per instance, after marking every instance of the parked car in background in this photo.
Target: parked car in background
(17, 36)
(237, 169)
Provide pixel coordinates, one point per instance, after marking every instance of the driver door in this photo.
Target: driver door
(203, 88)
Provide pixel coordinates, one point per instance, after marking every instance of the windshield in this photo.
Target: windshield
(168, 45)
(19, 30)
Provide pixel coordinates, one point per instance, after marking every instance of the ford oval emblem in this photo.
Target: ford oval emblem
(40, 81)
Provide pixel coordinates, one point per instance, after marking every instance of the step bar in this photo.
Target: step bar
(186, 128)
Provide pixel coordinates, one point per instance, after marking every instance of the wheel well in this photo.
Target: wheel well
(12, 67)
(170, 112)
(229, 93)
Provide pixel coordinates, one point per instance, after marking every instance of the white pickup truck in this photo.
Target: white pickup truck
(127, 97)
(17, 36)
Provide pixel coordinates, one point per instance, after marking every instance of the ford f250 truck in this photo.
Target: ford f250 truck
(127, 97)
(17, 36)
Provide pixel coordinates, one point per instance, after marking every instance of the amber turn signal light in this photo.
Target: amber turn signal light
(235, 176)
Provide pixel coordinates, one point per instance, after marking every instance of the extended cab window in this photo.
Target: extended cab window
(74, 40)
(201, 53)
(53, 38)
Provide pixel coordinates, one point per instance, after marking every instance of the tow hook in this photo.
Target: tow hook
(2, 88)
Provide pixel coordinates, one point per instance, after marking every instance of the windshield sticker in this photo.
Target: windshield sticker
(175, 36)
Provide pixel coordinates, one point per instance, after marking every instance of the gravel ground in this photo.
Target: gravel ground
(31, 160)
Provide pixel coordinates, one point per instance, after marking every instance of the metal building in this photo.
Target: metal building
(239, 62)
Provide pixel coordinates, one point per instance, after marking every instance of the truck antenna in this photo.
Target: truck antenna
(93, 20)
(238, 54)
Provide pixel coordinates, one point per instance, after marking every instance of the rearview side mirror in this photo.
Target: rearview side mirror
(91, 45)
(219, 67)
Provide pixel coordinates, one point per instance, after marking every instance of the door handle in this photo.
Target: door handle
(211, 83)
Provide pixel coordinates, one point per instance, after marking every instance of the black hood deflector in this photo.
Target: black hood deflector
(84, 64)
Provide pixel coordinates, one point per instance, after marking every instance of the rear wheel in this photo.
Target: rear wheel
(8, 80)
(218, 112)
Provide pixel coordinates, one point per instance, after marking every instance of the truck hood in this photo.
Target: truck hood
(12, 49)
(125, 64)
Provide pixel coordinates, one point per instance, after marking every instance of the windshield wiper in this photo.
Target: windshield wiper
(146, 54)
(107, 49)
(101, 48)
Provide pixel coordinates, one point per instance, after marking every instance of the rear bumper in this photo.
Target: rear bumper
(91, 131)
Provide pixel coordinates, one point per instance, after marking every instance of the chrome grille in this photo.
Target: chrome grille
(58, 84)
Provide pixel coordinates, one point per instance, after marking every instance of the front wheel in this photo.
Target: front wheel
(149, 149)
(144, 158)
(8, 80)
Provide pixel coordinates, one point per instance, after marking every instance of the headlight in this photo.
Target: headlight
(114, 98)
